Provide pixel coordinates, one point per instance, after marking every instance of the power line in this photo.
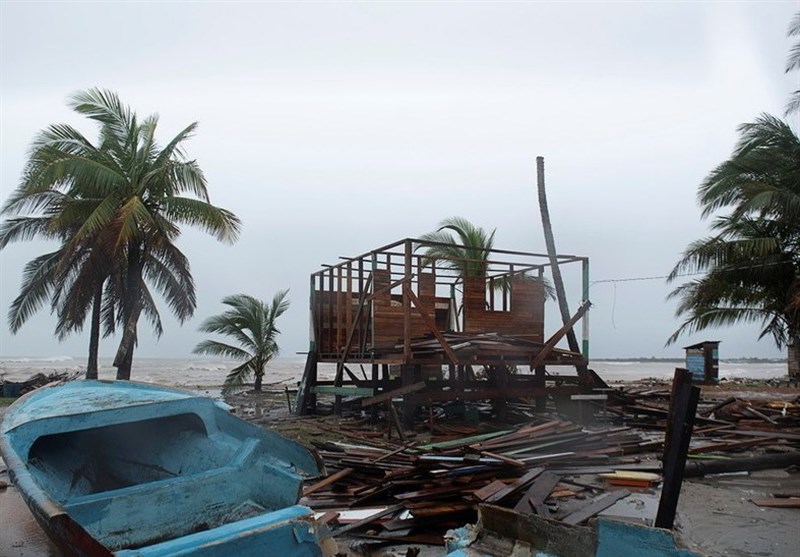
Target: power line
(662, 277)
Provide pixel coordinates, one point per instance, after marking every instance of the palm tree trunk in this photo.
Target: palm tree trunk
(123, 361)
(551, 252)
(132, 308)
(94, 334)
(257, 382)
(793, 354)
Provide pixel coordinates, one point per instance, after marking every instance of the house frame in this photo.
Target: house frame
(425, 326)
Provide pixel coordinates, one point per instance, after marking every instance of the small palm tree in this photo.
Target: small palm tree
(468, 254)
(252, 324)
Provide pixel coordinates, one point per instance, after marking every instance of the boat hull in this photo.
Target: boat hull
(136, 470)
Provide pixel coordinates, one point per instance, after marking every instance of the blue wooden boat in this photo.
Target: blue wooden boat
(135, 470)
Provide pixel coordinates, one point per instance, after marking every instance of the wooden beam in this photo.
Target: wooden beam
(383, 397)
(553, 340)
(598, 505)
(343, 391)
(431, 325)
(327, 481)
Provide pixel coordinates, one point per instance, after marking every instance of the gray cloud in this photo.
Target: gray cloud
(331, 129)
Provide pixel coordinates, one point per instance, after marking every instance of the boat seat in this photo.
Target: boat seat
(288, 531)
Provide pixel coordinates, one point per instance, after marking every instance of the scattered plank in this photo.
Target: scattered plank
(596, 506)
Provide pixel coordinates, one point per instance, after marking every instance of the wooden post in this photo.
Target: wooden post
(680, 377)
(682, 423)
(407, 305)
(374, 414)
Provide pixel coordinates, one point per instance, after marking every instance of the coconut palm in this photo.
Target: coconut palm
(71, 277)
(252, 325)
(468, 252)
(751, 265)
(128, 195)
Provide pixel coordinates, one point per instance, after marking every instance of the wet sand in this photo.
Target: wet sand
(20, 535)
(715, 515)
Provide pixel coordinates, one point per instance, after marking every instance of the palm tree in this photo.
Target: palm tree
(127, 194)
(751, 266)
(72, 277)
(252, 324)
(468, 254)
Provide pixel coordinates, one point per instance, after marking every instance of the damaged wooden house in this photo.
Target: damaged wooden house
(400, 322)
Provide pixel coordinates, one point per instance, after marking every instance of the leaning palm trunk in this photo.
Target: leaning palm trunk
(133, 305)
(551, 252)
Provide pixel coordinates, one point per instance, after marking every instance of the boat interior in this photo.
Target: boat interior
(137, 483)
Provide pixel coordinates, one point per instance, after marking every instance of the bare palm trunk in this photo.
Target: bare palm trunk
(257, 382)
(94, 334)
(132, 305)
(793, 354)
(551, 252)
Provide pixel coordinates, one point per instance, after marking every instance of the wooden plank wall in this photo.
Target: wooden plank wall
(525, 317)
(334, 316)
(388, 309)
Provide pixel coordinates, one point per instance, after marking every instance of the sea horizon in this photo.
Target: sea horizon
(204, 372)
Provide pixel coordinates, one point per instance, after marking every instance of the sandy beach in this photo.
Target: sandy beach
(715, 515)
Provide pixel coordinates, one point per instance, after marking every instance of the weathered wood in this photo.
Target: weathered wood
(367, 520)
(307, 384)
(333, 478)
(553, 340)
(675, 461)
(488, 490)
(431, 325)
(598, 505)
(394, 419)
(383, 397)
(516, 485)
(343, 391)
(679, 378)
(537, 493)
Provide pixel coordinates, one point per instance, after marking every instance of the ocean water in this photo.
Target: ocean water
(208, 374)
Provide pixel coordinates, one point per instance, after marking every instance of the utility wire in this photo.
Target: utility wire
(634, 279)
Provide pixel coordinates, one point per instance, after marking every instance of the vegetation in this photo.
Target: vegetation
(468, 251)
(252, 324)
(116, 208)
(750, 266)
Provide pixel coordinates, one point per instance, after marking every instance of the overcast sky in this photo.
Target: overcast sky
(334, 128)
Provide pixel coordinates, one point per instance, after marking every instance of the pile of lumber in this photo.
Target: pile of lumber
(414, 493)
